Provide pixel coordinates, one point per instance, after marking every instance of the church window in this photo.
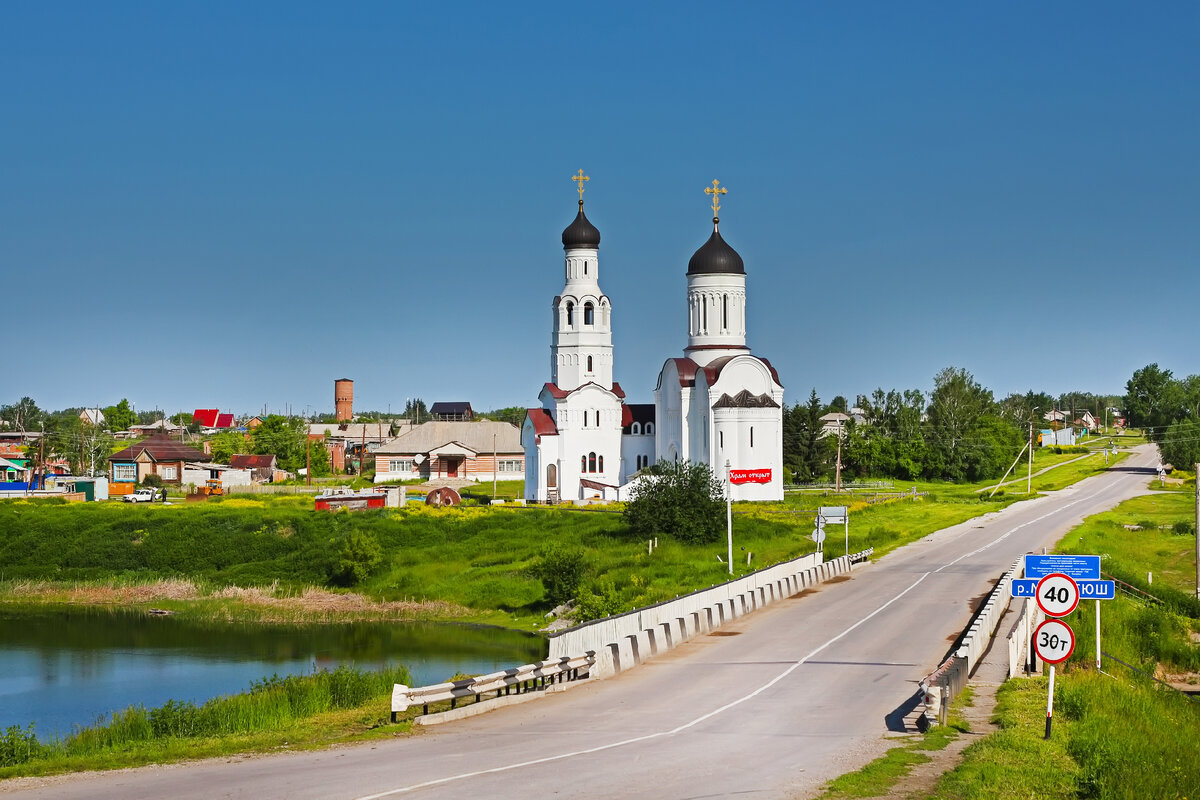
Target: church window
(589, 369)
(583, 463)
(585, 268)
(752, 436)
(721, 439)
(649, 427)
(585, 418)
(635, 428)
(591, 459)
(570, 314)
(725, 312)
(589, 314)
(601, 460)
(703, 316)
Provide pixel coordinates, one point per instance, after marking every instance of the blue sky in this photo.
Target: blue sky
(232, 205)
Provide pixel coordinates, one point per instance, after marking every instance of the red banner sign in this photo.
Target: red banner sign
(749, 476)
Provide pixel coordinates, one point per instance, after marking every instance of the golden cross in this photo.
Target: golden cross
(579, 179)
(715, 191)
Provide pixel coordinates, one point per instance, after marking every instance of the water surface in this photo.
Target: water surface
(65, 669)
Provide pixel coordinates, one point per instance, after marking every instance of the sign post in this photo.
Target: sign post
(818, 535)
(729, 511)
(839, 515)
(1054, 641)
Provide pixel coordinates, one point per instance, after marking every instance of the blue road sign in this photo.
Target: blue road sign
(1097, 590)
(1088, 589)
(1024, 587)
(1081, 568)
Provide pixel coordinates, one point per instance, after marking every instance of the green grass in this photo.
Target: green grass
(292, 712)
(475, 559)
(1118, 735)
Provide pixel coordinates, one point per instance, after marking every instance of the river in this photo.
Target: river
(66, 669)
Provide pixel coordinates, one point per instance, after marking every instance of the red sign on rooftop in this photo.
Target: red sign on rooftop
(749, 476)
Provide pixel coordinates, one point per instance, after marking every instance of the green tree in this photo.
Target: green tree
(955, 408)
(284, 437)
(681, 499)
(1154, 400)
(226, 445)
(23, 415)
(357, 556)
(1181, 444)
(512, 414)
(119, 417)
(416, 411)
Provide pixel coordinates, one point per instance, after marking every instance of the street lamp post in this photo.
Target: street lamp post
(1029, 479)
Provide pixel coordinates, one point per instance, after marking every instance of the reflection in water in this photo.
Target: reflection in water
(72, 668)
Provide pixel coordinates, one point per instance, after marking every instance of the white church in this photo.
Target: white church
(718, 404)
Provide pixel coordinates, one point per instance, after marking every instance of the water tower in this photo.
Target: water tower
(343, 399)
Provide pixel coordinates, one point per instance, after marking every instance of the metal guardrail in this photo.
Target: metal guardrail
(941, 686)
(518, 680)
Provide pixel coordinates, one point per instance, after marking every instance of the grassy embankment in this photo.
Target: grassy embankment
(1116, 735)
(296, 712)
(271, 558)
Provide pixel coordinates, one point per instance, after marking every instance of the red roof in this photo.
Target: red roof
(224, 421)
(252, 462)
(555, 392)
(543, 423)
(618, 391)
(206, 416)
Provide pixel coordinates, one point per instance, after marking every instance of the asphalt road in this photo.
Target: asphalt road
(775, 705)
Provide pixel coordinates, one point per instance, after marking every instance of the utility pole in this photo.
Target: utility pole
(1198, 534)
(838, 483)
(308, 459)
(495, 466)
(1029, 479)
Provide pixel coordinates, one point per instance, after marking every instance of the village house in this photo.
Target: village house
(157, 455)
(465, 451)
(263, 468)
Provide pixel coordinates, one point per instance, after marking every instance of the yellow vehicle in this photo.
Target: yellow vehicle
(212, 487)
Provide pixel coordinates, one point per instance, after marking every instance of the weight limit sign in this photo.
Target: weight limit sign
(1054, 641)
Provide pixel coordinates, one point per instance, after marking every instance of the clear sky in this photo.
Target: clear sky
(232, 204)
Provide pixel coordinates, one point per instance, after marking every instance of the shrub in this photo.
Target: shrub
(681, 499)
(153, 480)
(18, 745)
(356, 559)
(561, 571)
(1183, 528)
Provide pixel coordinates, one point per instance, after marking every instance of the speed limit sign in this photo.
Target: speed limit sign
(1053, 641)
(1057, 594)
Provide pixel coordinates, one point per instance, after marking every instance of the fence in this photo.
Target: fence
(1020, 655)
(626, 640)
(943, 684)
(527, 678)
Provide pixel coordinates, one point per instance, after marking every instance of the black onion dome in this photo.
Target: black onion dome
(716, 257)
(580, 233)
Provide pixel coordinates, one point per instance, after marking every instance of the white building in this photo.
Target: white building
(720, 404)
(583, 441)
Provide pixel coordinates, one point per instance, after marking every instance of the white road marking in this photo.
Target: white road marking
(727, 706)
(658, 734)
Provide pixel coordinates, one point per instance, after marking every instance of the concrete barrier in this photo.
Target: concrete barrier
(626, 640)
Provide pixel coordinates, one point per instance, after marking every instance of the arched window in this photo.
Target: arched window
(591, 459)
(583, 463)
(649, 427)
(570, 314)
(725, 312)
(585, 418)
(601, 459)
(585, 268)
(752, 436)
(721, 439)
(703, 315)
(589, 314)
(589, 369)
(635, 428)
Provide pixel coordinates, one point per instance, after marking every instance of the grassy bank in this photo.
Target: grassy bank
(274, 559)
(296, 712)
(1116, 735)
